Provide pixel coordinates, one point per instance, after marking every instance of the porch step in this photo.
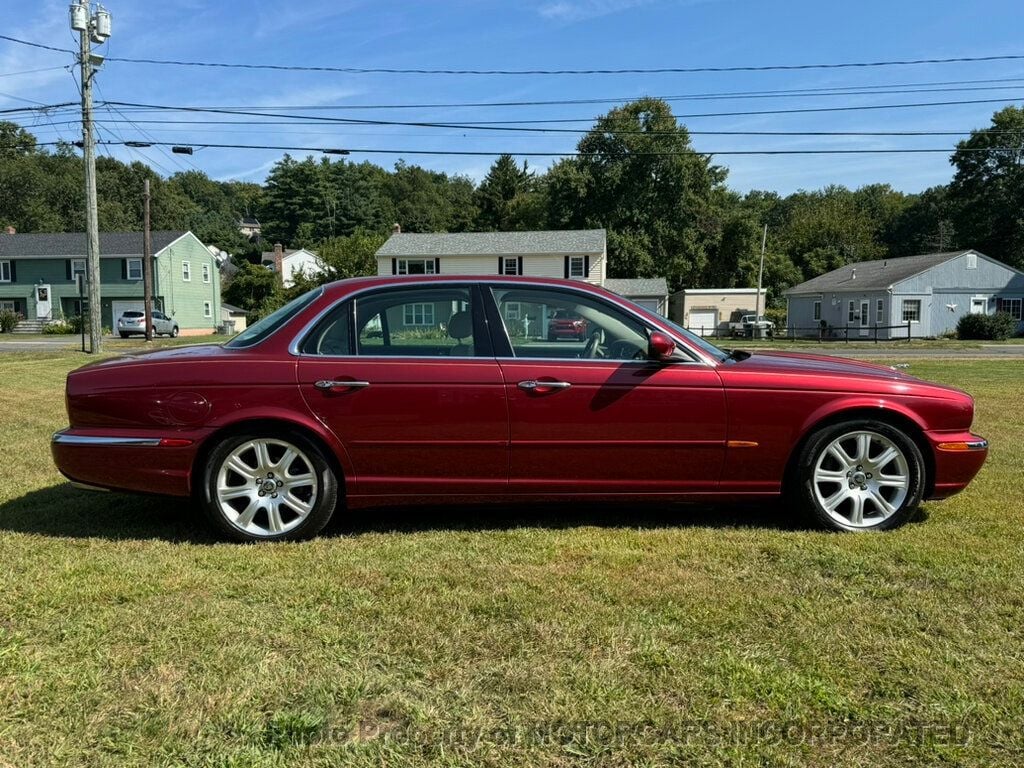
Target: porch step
(30, 326)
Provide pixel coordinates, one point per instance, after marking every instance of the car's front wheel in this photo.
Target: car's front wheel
(174, 332)
(260, 487)
(862, 475)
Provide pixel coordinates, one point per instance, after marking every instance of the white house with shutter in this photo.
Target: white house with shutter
(573, 254)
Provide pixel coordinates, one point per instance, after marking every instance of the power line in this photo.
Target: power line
(507, 125)
(30, 71)
(622, 71)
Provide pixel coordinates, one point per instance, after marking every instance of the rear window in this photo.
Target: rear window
(131, 313)
(258, 331)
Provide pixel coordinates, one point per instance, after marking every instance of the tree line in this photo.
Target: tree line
(667, 209)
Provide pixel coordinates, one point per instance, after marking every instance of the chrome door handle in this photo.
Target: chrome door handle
(531, 385)
(332, 384)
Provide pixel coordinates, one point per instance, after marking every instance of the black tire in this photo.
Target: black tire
(806, 494)
(174, 332)
(323, 507)
(123, 335)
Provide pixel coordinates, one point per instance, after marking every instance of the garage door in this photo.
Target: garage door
(703, 322)
(118, 307)
(651, 304)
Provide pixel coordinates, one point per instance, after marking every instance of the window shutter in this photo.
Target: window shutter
(67, 268)
(501, 265)
(394, 266)
(586, 267)
(566, 267)
(519, 265)
(124, 269)
(14, 272)
(437, 266)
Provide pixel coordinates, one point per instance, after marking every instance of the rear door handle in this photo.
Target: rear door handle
(531, 385)
(329, 384)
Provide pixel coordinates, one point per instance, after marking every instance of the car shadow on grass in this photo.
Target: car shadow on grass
(68, 512)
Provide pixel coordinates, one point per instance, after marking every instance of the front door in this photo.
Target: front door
(406, 380)
(865, 308)
(44, 307)
(595, 416)
(979, 305)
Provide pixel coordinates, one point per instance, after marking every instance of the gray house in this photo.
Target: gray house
(927, 293)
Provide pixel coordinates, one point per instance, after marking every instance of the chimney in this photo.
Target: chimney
(278, 256)
(10, 231)
(854, 275)
(396, 229)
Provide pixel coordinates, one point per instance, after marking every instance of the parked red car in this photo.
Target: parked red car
(566, 325)
(402, 390)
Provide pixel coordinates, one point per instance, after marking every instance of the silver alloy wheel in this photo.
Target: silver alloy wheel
(861, 478)
(266, 487)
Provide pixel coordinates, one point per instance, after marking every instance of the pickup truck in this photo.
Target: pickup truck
(747, 325)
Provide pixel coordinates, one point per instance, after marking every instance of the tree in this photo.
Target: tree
(254, 288)
(496, 197)
(987, 192)
(15, 140)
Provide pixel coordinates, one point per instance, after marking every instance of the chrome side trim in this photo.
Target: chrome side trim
(65, 439)
(87, 487)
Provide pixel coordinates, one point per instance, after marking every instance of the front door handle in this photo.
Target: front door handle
(532, 385)
(329, 384)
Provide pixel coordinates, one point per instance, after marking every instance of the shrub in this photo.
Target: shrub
(8, 319)
(57, 327)
(995, 327)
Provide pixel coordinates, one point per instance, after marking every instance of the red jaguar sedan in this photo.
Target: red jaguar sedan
(416, 390)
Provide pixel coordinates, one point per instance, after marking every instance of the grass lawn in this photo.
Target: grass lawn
(486, 636)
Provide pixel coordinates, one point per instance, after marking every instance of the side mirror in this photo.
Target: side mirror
(660, 346)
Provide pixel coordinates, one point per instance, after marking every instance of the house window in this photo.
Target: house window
(206, 273)
(77, 268)
(911, 310)
(418, 314)
(880, 310)
(1010, 306)
(417, 267)
(513, 311)
(817, 310)
(510, 265)
(134, 269)
(5, 271)
(207, 310)
(972, 261)
(577, 266)
(10, 306)
(851, 314)
(186, 271)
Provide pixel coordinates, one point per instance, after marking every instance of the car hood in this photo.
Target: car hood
(798, 362)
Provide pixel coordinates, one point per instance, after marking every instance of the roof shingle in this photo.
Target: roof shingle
(640, 286)
(63, 244)
(873, 275)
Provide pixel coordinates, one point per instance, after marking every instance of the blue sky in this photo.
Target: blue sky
(529, 34)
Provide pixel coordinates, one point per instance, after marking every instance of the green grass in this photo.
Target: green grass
(628, 636)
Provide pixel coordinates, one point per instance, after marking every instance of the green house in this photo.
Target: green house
(38, 277)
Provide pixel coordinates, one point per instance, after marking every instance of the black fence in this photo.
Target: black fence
(828, 333)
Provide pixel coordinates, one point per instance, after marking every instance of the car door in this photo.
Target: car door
(405, 378)
(596, 416)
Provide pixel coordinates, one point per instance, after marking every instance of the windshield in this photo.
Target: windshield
(258, 331)
(697, 341)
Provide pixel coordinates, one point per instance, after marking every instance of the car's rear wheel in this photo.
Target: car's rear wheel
(862, 475)
(260, 487)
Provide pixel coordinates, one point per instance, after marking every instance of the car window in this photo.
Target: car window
(543, 322)
(257, 332)
(131, 313)
(405, 322)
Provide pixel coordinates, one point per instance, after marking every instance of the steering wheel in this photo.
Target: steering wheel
(593, 346)
(622, 349)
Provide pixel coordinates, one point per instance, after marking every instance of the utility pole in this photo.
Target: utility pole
(90, 28)
(147, 262)
(760, 276)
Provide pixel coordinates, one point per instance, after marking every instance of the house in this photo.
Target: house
(649, 292)
(38, 277)
(708, 311)
(927, 294)
(229, 313)
(250, 228)
(289, 263)
(571, 254)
